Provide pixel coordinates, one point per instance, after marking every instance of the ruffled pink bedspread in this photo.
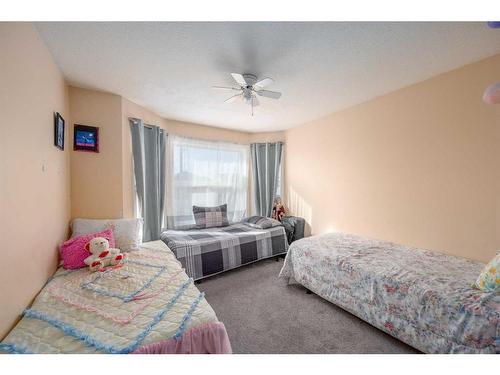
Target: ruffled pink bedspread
(210, 338)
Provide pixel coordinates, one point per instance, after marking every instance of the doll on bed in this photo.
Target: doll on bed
(278, 209)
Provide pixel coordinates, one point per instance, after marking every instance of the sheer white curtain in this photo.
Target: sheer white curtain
(205, 173)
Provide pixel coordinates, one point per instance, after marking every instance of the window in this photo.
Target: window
(205, 173)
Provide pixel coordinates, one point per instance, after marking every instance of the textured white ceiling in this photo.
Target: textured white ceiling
(320, 68)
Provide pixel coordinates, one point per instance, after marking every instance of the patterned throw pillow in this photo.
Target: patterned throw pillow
(489, 279)
(261, 222)
(127, 232)
(210, 217)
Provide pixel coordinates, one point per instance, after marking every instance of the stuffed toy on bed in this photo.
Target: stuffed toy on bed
(101, 255)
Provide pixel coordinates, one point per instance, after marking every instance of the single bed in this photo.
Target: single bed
(423, 298)
(149, 305)
(206, 252)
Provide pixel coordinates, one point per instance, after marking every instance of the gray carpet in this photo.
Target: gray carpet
(262, 314)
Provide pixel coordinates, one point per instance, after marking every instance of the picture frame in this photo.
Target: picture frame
(59, 125)
(86, 138)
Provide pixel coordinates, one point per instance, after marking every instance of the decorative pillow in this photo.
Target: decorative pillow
(210, 217)
(261, 222)
(489, 279)
(127, 232)
(73, 251)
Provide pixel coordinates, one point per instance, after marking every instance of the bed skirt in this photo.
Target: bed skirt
(210, 338)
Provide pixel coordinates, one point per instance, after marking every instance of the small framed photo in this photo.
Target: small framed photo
(86, 138)
(58, 131)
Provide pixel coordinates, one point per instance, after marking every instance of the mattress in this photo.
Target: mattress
(149, 305)
(206, 252)
(421, 297)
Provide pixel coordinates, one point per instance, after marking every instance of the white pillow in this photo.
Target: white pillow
(127, 232)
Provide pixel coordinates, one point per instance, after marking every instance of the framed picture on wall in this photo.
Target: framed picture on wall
(58, 131)
(86, 138)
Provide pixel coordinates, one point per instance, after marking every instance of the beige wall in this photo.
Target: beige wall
(96, 178)
(34, 174)
(419, 166)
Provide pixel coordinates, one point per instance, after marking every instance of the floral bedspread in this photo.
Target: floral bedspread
(421, 297)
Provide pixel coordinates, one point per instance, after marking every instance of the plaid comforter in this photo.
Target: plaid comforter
(205, 252)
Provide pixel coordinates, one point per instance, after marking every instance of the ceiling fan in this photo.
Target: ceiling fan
(249, 88)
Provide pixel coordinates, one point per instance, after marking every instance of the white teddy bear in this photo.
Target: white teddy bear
(101, 255)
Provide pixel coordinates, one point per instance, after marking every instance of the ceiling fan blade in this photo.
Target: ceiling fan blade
(225, 88)
(262, 83)
(233, 98)
(269, 94)
(239, 79)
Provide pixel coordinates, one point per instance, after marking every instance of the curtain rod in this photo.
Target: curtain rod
(201, 139)
(143, 123)
(266, 143)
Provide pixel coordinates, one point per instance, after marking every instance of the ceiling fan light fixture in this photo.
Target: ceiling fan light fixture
(249, 88)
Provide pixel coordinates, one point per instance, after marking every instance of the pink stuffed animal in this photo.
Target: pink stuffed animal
(101, 255)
